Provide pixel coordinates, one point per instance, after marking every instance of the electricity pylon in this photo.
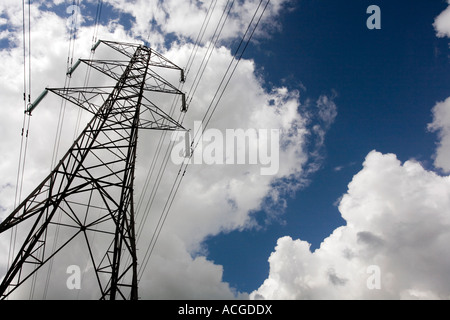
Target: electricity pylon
(89, 194)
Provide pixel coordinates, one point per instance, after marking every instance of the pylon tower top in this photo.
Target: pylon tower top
(87, 200)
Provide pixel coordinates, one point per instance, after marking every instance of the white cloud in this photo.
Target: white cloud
(327, 110)
(212, 199)
(397, 219)
(184, 19)
(175, 274)
(442, 23)
(441, 124)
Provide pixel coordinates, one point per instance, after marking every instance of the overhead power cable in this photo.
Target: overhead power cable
(26, 35)
(226, 79)
(213, 40)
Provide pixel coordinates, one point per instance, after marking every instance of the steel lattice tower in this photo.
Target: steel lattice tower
(88, 197)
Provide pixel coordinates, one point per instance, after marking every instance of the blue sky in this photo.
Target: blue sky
(386, 82)
(228, 234)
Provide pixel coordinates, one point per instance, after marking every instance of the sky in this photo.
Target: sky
(364, 157)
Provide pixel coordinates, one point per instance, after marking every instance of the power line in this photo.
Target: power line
(200, 35)
(200, 71)
(197, 79)
(26, 20)
(188, 67)
(180, 176)
(163, 135)
(212, 45)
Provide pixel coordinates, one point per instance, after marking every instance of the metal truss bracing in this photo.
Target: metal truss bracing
(88, 197)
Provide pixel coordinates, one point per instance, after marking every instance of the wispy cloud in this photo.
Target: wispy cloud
(441, 125)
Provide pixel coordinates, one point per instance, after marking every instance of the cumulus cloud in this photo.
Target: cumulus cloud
(393, 245)
(396, 220)
(442, 23)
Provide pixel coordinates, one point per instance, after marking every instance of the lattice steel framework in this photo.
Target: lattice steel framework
(90, 191)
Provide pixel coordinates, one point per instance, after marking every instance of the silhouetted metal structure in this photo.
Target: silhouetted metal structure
(89, 194)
